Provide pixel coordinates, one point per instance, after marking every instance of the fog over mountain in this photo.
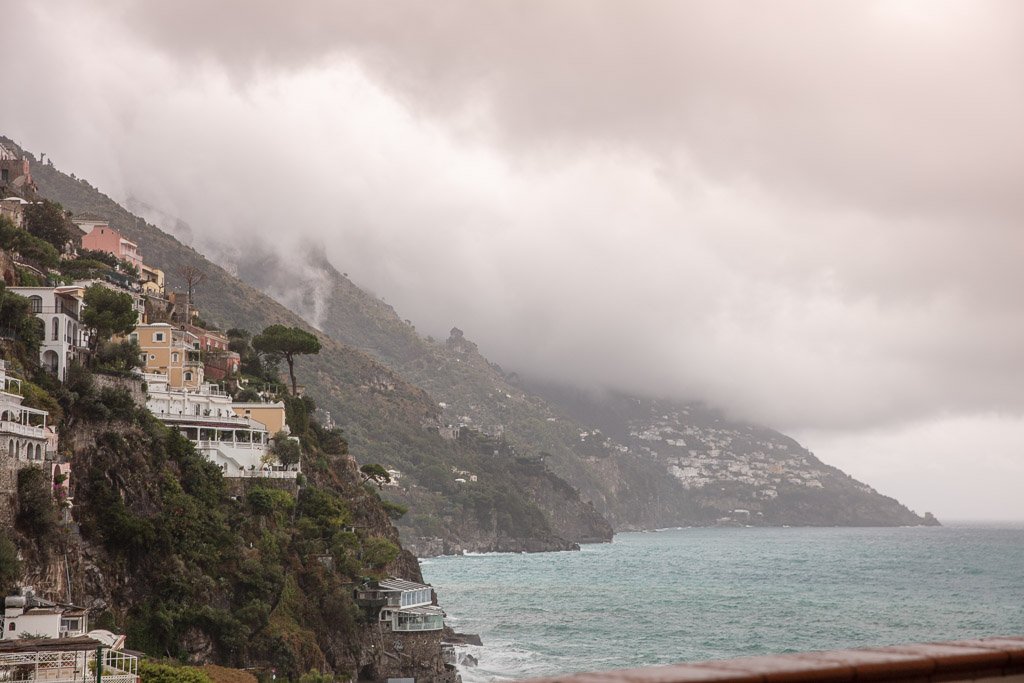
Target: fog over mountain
(806, 213)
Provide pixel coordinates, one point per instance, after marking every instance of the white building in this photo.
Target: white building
(206, 416)
(405, 606)
(68, 660)
(27, 615)
(60, 309)
(23, 430)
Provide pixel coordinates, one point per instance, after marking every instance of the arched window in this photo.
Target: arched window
(36, 302)
(39, 452)
(174, 357)
(56, 328)
(10, 448)
(188, 376)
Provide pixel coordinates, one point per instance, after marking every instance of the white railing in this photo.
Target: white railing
(8, 427)
(68, 666)
(265, 474)
(241, 422)
(215, 445)
(425, 624)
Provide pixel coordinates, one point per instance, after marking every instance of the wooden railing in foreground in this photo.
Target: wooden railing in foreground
(999, 658)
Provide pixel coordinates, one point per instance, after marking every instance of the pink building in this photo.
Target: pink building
(102, 237)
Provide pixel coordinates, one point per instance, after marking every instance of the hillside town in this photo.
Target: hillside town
(100, 304)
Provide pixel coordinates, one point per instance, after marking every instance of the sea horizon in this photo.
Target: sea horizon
(700, 593)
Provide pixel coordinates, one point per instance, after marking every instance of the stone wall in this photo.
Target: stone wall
(406, 655)
(132, 384)
(9, 466)
(8, 487)
(239, 486)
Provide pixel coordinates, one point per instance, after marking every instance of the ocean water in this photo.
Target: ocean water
(695, 594)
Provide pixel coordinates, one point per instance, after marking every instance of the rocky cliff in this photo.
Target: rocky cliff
(194, 566)
(398, 381)
(387, 419)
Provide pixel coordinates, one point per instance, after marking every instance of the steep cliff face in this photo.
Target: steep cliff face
(714, 470)
(398, 381)
(385, 417)
(642, 462)
(191, 565)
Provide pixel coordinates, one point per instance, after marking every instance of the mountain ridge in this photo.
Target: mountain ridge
(629, 483)
(386, 419)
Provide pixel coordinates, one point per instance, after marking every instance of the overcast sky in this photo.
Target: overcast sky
(809, 213)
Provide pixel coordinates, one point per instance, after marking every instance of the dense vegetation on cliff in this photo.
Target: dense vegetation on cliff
(378, 394)
(196, 567)
(161, 546)
(386, 419)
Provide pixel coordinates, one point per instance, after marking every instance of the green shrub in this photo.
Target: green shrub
(286, 450)
(37, 514)
(151, 672)
(10, 567)
(379, 552)
(394, 510)
(119, 358)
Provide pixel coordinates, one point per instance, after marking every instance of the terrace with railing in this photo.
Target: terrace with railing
(77, 665)
(67, 310)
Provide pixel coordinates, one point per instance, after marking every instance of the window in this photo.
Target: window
(152, 356)
(37, 304)
(12, 627)
(56, 329)
(134, 336)
(188, 376)
(158, 336)
(174, 357)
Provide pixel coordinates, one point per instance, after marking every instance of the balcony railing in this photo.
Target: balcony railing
(31, 431)
(962, 660)
(67, 666)
(56, 310)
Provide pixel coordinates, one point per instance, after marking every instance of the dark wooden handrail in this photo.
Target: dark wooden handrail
(949, 661)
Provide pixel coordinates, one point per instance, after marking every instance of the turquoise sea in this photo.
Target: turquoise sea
(694, 594)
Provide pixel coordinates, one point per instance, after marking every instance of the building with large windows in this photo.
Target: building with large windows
(405, 606)
(171, 352)
(23, 430)
(228, 434)
(60, 309)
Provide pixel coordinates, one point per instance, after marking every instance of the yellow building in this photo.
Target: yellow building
(270, 415)
(171, 352)
(152, 280)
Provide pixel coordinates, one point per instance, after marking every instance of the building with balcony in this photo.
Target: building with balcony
(15, 170)
(238, 442)
(152, 280)
(60, 309)
(13, 208)
(99, 236)
(23, 430)
(27, 613)
(171, 352)
(68, 660)
(404, 606)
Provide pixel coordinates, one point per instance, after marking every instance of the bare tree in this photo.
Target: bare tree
(193, 277)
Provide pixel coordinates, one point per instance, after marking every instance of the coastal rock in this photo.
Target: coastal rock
(450, 636)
